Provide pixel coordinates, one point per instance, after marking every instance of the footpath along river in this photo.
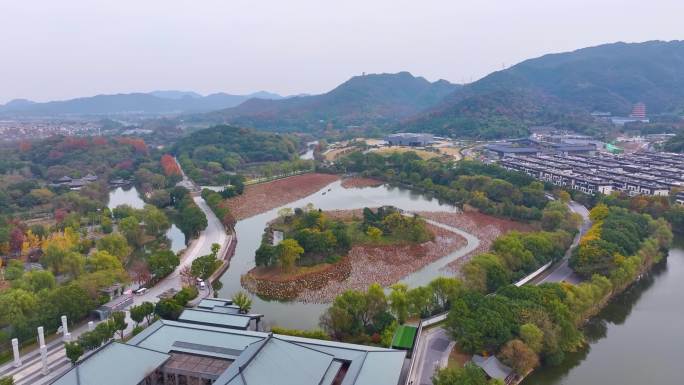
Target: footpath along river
(637, 339)
(332, 197)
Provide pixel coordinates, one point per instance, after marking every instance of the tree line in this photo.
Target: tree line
(524, 326)
(490, 188)
(211, 155)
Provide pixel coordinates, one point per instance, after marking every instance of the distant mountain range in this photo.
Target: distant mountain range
(152, 103)
(368, 100)
(557, 90)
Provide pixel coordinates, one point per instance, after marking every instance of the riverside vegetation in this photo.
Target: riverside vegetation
(524, 326)
(489, 188)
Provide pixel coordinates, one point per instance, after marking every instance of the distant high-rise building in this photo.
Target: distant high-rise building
(638, 111)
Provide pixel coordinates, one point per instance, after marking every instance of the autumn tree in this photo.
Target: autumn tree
(169, 165)
(289, 252)
(519, 356)
(470, 374)
(115, 244)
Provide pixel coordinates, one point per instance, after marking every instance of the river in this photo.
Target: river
(303, 315)
(637, 339)
(131, 197)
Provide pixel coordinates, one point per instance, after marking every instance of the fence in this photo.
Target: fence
(423, 323)
(533, 275)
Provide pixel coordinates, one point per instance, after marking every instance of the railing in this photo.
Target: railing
(534, 274)
(423, 323)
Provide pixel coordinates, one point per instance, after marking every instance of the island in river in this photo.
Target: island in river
(330, 195)
(344, 249)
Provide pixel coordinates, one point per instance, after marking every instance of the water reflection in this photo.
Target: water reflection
(130, 196)
(636, 339)
(300, 315)
(176, 237)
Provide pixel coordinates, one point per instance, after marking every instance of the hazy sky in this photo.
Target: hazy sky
(68, 48)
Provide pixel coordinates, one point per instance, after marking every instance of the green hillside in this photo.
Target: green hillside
(561, 90)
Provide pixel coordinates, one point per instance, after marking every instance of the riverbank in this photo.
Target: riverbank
(361, 182)
(362, 266)
(485, 227)
(260, 198)
(629, 321)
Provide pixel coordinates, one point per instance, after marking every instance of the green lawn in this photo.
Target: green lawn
(404, 337)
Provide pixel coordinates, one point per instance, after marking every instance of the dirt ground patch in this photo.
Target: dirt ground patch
(260, 198)
(337, 152)
(453, 152)
(421, 153)
(359, 182)
(485, 227)
(385, 264)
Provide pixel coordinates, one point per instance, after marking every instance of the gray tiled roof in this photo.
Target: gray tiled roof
(492, 366)
(104, 367)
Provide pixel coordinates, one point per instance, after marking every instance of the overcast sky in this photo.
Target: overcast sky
(69, 48)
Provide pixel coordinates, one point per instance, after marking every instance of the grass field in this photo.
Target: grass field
(404, 337)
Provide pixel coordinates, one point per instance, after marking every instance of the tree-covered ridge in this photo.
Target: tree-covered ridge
(55, 157)
(561, 90)
(489, 188)
(311, 236)
(211, 155)
(504, 113)
(362, 101)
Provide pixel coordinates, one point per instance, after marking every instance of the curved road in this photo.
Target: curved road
(435, 344)
(562, 271)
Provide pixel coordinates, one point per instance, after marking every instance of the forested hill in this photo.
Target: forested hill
(562, 89)
(213, 155)
(369, 100)
(241, 144)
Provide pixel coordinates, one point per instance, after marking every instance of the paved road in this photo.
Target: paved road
(435, 345)
(562, 271)
(30, 371)
(432, 353)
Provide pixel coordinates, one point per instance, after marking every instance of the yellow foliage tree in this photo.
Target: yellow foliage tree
(31, 241)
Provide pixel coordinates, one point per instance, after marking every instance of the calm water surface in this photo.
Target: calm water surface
(131, 197)
(637, 339)
(301, 315)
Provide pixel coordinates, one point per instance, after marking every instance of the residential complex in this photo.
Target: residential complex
(201, 349)
(647, 173)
